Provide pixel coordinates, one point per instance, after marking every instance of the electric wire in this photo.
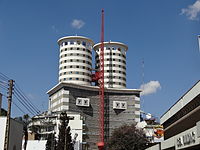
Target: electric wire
(24, 105)
(26, 98)
(18, 107)
(4, 77)
(19, 95)
(21, 101)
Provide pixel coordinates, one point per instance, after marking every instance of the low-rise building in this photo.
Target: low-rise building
(15, 136)
(182, 122)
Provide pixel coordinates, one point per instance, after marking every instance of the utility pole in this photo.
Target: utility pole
(7, 132)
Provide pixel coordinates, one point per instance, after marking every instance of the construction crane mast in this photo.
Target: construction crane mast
(101, 87)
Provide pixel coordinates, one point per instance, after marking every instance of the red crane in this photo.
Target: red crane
(101, 144)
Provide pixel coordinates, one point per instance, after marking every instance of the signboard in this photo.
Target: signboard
(186, 139)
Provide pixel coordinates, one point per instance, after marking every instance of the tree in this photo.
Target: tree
(127, 137)
(25, 121)
(64, 138)
(51, 142)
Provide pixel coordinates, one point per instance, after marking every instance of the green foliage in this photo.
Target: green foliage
(127, 137)
(64, 139)
(3, 112)
(51, 142)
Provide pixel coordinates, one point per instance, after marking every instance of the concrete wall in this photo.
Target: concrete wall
(155, 147)
(16, 133)
(113, 117)
(36, 145)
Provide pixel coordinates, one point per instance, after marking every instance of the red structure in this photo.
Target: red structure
(100, 74)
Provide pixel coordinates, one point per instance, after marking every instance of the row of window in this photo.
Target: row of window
(76, 54)
(115, 71)
(114, 59)
(75, 66)
(110, 54)
(75, 72)
(116, 83)
(76, 48)
(75, 79)
(82, 79)
(76, 60)
(115, 65)
(115, 77)
(72, 42)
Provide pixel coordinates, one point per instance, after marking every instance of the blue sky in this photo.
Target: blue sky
(162, 33)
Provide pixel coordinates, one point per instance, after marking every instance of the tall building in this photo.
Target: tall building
(75, 62)
(75, 92)
(114, 63)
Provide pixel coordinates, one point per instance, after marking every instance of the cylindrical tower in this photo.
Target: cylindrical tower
(114, 63)
(75, 62)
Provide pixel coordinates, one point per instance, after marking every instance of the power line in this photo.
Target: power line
(18, 107)
(4, 77)
(24, 104)
(27, 99)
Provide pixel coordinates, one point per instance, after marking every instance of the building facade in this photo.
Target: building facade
(114, 63)
(122, 106)
(182, 122)
(75, 62)
(15, 136)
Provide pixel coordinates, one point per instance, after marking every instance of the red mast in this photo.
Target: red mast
(101, 86)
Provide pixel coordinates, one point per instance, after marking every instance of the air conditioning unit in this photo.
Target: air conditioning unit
(83, 102)
(119, 105)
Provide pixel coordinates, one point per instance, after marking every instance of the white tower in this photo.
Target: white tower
(75, 63)
(114, 63)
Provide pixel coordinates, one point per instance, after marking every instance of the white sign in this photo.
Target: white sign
(186, 139)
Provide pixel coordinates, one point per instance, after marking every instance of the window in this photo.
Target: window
(83, 49)
(66, 43)
(70, 66)
(77, 78)
(64, 73)
(65, 49)
(77, 72)
(65, 67)
(71, 42)
(64, 79)
(78, 42)
(84, 43)
(70, 78)
(77, 48)
(77, 66)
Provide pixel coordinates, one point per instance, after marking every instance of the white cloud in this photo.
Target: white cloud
(192, 11)
(53, 27)
(77, 24)
(150, 87)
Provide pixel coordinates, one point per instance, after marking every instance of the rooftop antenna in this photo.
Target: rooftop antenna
(142, 99)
